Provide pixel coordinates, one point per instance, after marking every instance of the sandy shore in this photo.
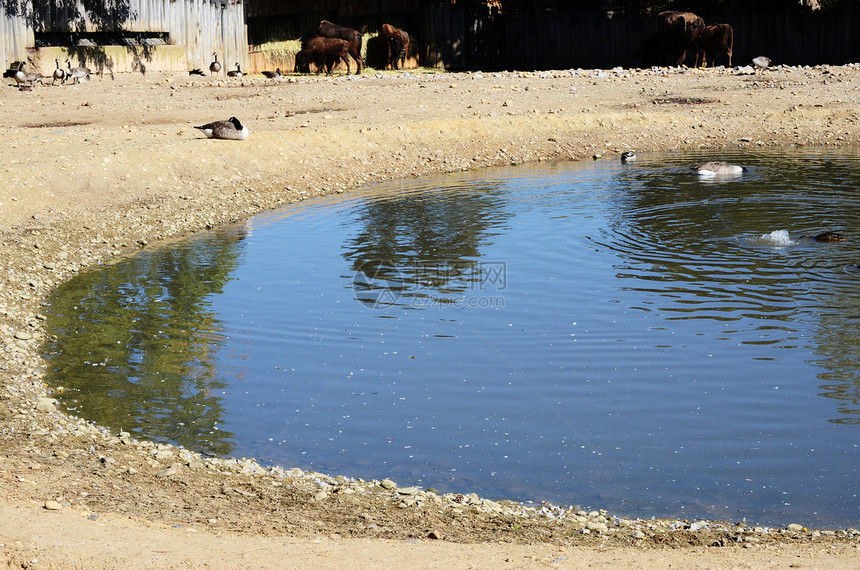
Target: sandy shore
(98, 170)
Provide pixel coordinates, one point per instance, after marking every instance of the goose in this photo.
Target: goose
(721, 168)
(235, 72)
(628, 156)
(273, 74)
(831, 237)
(22, 77)
(214, 67)
(196, 71)
(76, 73)
(231, 129)
(59, 73)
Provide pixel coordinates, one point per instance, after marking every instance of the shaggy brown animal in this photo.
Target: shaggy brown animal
(325, 53)
(398, 43)
(715, 39)
(676, 32)
(353, 37)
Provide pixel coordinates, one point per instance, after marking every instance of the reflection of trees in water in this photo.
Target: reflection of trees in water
(673, 235)
(427, 245)
(839, 348)
(135, 343)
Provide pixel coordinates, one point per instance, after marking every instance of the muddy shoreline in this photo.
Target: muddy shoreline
(99, 170)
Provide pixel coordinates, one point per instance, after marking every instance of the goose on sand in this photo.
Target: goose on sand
(273, 74)
(59, 73)
(231, 129)
(214, 67)
(721, 168)
(22, 77)
(235, 72)
(76, 73)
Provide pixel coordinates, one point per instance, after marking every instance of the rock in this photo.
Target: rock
(434, 535)
(47, 405)
(170, 471)
(794, 527)
(597, 527)
(164, 454)
(408, 491)
(699, 525)
(53, 505)
(388, 484)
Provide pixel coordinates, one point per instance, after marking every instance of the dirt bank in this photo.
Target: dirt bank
(97, 170)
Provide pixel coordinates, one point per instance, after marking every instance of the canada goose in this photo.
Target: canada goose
(231, 129)
(718, 169)
(76, 73)
(628, 156)
(235, 72)
(22, 77)
(214, 67)
(59, 73)
(273, 74)
(831, 237)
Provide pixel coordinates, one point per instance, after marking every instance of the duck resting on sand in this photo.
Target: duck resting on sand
(231, 129)
(721, 168)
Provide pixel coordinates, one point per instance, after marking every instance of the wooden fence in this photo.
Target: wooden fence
(203, 27)
(458, 37)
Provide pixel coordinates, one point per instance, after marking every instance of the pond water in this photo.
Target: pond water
(620, 336)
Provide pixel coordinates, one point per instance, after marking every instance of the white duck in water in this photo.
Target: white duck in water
(721, 168)
(628, 156)
(231, 129)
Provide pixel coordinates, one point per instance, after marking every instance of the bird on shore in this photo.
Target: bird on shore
(235, 72)
(23, 77)
(196, 71)
(761, 62)
(214, 67)
(720, 168)
(830, 237)
(231, 129)
(273, 74)
(628, 156)
(59, 73)
(76, 73)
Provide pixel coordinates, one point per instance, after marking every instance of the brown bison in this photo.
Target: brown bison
(676, 32)
(353, 37)
(715, 39)
(398, 43)
(325, 53)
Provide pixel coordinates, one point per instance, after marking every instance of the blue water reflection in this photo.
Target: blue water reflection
(624, 336)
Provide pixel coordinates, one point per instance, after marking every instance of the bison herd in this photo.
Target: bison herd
(334, 44)
(679, 32)
(676, 34)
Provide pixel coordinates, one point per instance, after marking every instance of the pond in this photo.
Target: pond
(620, 336)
